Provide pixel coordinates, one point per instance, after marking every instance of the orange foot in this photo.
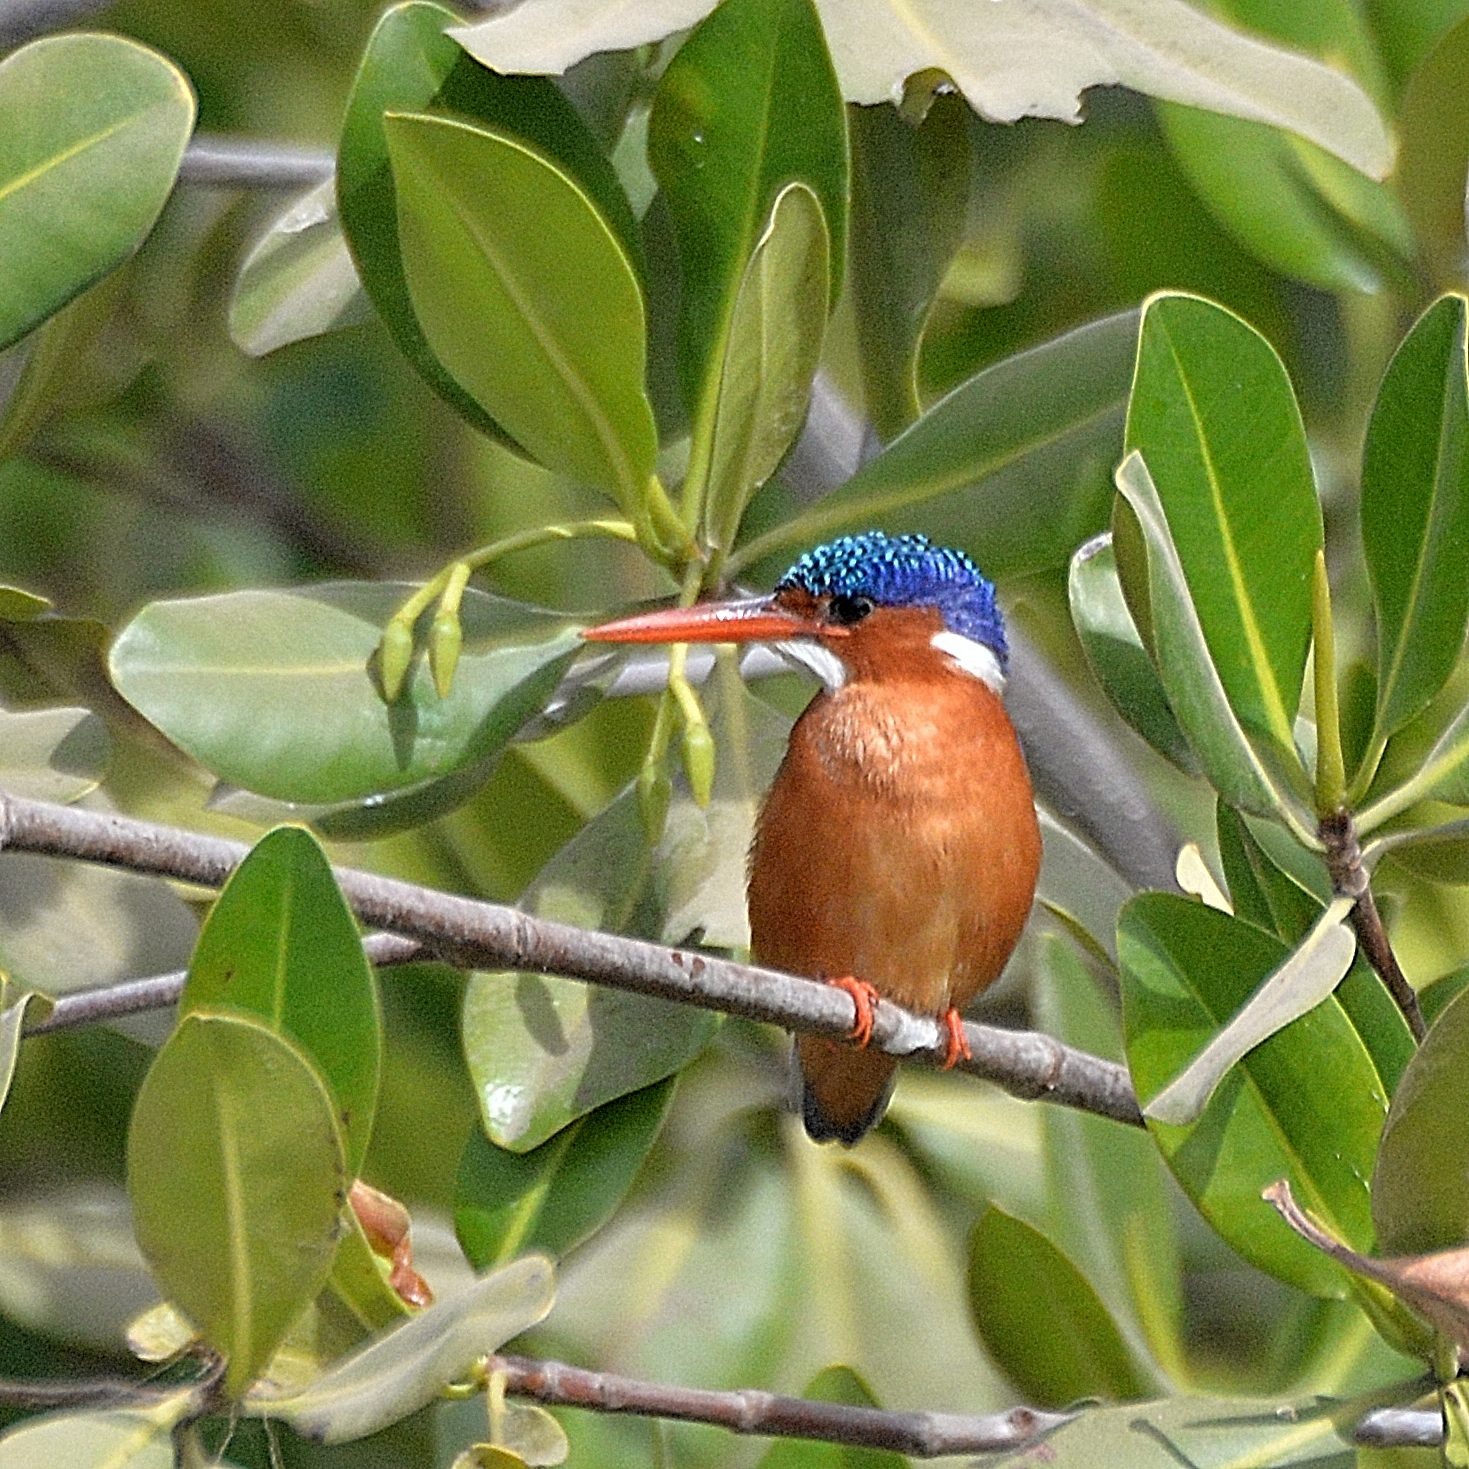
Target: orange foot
(864, 997)
(958, 1047)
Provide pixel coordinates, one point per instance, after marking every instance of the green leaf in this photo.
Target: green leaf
(1294, 206)
(527, 297)
(274, 691)
(833, 1385)
(1406, 31)
(1115, 652)
(1009, 63)
(1262, 893)
(124, 1438)
(1111, 1211)
(92, 129)
(910, 203)
(545, 1051)
(13, 1015)
(400, 1371)
(1213, 414)
(748, 104)
(1420, 1202)
(298, 280)
(556, 1195)
(52, 754)
(280, 943)
(411, 65)
(1016, 1277)
(1079, 888)
(1415, 513)
(1243, 773)
(773, 345)
(237, 1178)
(1306, 1104)
(1209, 1433)
(1433, 151)
(358, 1282)
(1040, 429)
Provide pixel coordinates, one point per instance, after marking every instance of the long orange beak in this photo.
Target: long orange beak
(755, 619)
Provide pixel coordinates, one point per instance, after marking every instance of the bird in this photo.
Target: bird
(897, 851)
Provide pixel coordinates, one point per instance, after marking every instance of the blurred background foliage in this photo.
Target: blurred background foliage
(174, 464)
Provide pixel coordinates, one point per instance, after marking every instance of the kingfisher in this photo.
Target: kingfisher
(897, 851)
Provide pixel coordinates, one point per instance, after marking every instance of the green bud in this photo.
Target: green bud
(394, 654)
(655, 791)
(698, 761)
(445, 640)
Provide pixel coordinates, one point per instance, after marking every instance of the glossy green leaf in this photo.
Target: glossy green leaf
(748, 104)
(1294, 206)
(773, 345)
(527, 297)
(1306, 1104)
(833, 1385)
(1213, 414)
(1017, 1276)
(1260, 891)
(40, 373)
(237, 1178)
(281, 944)
(1115, 652)
(1415, 513)
(1111, 1211)
(1208, 1433)
(910, 203)
(1426, 761)
(275, 692)
(556, 1195)
(122, 1438)
(1420, 1200)
(1240, 770)
(411, 65)
(92, 129)
(1008, 62)
(359, 1283)
(1311, 973)
(52, 754)
(403, 1369)
(299, 279)
(1406, 31)
(15, 1009)
(1433, 152)
(544, 1051)
(1012, 464)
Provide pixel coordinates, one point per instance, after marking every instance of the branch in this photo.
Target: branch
(23, 20)
(132, 997)
(250, 163)
(1397, 1428)
(921, 1435)
(479, 935)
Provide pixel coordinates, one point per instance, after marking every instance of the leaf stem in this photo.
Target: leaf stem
(1331, 778)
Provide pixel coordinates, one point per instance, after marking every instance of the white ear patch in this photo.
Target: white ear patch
(815, 658)
(972, 658)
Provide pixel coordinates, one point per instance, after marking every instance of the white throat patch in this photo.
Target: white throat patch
(971, 657)
(815, 658)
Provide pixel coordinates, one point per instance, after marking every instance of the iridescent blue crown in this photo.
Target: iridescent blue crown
(905, 571)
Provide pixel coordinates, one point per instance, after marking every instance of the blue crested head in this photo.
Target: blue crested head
(905, 571)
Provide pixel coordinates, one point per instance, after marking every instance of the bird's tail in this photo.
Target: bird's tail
(844, 1091)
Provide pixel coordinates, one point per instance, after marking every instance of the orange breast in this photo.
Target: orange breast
(899, 845)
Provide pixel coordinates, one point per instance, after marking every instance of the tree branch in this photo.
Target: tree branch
(921, 1435)
(479, 935)
(23, 20)
(251, 163)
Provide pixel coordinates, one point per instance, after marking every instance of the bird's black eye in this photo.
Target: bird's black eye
(844, 611)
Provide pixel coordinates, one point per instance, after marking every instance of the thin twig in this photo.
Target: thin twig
(1349, 879)
(252, 163)
(921, 1435)
(481, 935)
(157, 992)
(1400, 1428)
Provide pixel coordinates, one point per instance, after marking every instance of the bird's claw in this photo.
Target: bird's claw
(864, 998)
(958, 1042)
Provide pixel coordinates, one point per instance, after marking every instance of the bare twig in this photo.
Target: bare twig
(483, 935)
(253, 163)
(1400, 1428)
(132, 997)
(921, 1435)
(1349, 879)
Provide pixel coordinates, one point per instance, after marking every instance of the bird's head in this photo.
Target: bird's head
(865, 606)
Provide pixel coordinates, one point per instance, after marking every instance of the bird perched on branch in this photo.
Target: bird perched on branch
(896, 854)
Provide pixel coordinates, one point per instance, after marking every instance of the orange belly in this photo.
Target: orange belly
(899, 845)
